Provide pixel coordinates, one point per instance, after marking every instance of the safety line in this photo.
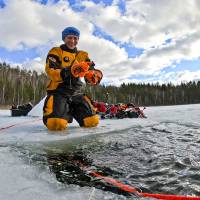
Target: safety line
(18, 124)
(129, 188)
(132, 190)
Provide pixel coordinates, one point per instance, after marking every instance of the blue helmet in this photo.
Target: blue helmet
(70, 31)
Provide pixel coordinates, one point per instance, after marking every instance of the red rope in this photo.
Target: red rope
(169, 196)
(20, 123)
(130, 189)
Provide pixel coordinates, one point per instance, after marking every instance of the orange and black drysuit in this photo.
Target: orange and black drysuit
(64, 99)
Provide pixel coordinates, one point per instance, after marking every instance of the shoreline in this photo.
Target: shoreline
(5, 107)
(8, 107)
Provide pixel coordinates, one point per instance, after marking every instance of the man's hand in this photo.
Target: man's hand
(80, 69)
(93, 77)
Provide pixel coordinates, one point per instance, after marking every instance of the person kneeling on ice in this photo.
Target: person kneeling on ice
(64, 67)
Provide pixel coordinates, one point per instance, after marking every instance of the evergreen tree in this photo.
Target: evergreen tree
(19, 86)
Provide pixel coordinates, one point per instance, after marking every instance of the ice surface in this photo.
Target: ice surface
(21, 180)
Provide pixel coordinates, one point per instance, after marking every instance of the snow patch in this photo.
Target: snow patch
(37, 110)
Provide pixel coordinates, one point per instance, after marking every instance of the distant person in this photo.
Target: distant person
(102, 109)
(113, 110)
(64, 67)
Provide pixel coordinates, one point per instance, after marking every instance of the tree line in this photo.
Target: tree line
(19, 86)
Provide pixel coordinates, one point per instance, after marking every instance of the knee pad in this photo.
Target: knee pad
(56, 124)
(91, 121)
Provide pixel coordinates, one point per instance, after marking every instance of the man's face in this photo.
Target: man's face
(71, 41)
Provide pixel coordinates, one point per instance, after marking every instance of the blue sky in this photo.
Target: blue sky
(131, 41)
(2, 4)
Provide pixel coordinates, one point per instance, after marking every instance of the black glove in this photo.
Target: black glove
(92, 64)
(65, 73)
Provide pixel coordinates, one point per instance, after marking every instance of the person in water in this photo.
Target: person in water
(65, 101)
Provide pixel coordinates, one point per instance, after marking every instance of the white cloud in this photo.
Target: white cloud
(186, 76)
(146, 24)
(176, 77)
(36, 64)
(31, 24)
